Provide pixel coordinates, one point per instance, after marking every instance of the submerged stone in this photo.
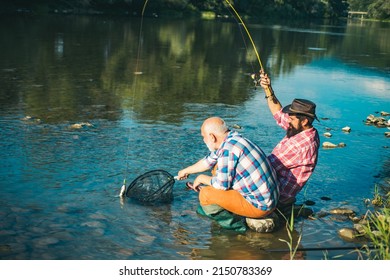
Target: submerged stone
(378, 121)
(31, 119)
(339, 218)
(342, 211)
(359, 228)
(80, 125)
(383, 113)
(44, 241)
(309, 202)
(346, 129)
(322, 214)
(329, 145)
(93, 224)
(266, 224)
(348, 234)
(5, 249)
(303, 212)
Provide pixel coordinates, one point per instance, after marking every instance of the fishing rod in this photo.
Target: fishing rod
(268, 90)
(321, 249)
(247, 32)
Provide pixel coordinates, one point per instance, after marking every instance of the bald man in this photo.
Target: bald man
(243, 181)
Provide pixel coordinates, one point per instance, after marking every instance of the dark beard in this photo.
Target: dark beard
(291, 131)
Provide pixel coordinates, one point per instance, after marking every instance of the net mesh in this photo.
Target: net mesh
(152, 187)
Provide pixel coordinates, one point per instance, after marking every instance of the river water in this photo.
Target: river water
(141, 92)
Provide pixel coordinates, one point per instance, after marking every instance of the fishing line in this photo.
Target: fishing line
(247, 32)
(242, 36)
(322, 249)
(136, 73)
(255, 77)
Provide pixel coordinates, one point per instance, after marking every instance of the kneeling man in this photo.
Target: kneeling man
(243, 181)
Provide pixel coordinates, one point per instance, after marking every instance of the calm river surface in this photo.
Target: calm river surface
(144, 106)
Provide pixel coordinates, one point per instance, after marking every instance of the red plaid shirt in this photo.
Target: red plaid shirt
(294, 158)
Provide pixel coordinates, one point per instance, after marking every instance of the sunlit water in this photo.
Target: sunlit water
(60, 185)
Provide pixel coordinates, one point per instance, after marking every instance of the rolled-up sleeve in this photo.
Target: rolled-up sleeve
(282, 119)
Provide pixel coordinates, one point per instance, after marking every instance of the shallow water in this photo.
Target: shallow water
(59, 185)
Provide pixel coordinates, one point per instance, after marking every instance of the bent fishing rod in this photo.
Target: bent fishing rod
(268, 90)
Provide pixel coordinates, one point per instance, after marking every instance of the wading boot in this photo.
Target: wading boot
(224, 218)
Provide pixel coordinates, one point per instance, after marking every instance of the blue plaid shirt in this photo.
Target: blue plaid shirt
(243, 166)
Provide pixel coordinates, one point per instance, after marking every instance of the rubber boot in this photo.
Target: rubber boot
(224, 218)
(284, 209)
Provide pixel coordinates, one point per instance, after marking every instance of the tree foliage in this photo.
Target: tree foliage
(379, 9)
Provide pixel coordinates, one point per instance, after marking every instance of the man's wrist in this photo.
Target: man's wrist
(269, 92)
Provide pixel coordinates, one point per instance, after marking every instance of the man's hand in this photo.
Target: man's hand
(265, 81)
(273, 103)
(182, 174)
(190, 186)
(201, 180)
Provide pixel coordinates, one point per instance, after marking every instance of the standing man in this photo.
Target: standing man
(295, 157)
(243, 182)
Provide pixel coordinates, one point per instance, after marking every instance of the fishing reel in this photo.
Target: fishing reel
(256, 79)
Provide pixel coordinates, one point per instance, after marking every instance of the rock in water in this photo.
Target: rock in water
(383, 113)
(266, 224)
(329, 145)
(341, 145)
(348, 233)
(346, 129)
(309, 202)
(342, 211)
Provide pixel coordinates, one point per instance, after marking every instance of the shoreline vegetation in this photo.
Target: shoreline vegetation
(371, 230)
(253, 10)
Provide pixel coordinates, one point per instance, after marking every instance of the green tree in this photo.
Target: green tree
(359, 5)
(337, 8)
(379, 9)
(210, 5)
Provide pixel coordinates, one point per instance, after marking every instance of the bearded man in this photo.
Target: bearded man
(295, 157)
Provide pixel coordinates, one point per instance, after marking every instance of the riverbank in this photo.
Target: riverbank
(212, 10)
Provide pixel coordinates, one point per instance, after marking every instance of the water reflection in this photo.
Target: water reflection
(59, 46)
(60, 185)
(178, 65)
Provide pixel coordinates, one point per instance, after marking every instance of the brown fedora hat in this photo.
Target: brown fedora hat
(302, 107)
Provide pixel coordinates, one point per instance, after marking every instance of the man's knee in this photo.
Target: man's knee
(204, 195)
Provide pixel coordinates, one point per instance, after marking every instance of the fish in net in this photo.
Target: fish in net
(155, 186)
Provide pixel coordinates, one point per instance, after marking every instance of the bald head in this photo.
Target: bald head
(216, 126)
(214, 131)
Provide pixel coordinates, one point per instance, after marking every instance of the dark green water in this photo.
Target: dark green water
(59, 186)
